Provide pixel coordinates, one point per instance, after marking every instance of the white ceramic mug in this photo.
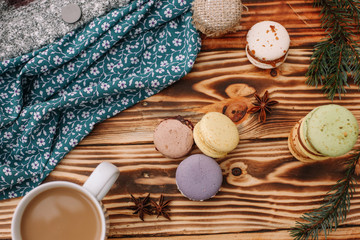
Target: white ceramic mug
(95, 188)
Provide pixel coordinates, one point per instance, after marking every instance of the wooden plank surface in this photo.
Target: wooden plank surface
(274, 189)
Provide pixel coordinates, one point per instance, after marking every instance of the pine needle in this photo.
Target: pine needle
(336, 58)
(333, 211)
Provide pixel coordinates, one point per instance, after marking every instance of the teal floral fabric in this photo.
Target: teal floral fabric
(50, 99)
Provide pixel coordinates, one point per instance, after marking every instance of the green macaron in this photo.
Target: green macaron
(332, 130)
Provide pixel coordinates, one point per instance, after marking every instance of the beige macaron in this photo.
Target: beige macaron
(216, 135)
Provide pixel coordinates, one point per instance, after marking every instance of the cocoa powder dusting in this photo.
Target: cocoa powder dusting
(272, 28)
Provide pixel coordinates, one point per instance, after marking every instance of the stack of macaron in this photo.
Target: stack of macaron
(267, 44)
(216, 135)
(327, 131)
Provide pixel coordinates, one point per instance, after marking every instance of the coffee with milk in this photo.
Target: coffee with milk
(61, 213)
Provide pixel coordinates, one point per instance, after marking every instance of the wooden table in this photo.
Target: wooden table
(274, 189)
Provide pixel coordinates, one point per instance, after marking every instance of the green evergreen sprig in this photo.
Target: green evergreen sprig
(333, 211)
(336, 59)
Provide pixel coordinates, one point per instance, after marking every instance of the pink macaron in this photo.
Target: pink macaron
(174, 137)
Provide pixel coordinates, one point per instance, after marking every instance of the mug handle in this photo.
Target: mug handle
(101, 180)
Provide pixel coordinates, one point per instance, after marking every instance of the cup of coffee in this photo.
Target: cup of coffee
(64, 210)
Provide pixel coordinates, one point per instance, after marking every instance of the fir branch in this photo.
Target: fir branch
(333, 211)
(336, 59)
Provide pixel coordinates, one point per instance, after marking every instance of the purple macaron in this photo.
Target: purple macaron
(199, 177)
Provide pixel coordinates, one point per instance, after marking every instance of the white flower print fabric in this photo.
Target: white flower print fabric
(50, 99)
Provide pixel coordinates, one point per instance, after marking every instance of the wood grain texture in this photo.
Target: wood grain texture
(274, 189)
(347, 232)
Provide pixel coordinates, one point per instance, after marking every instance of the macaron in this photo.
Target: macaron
(297, 149)
(332, 130)
(174, 137)
(304, 146)
(303, 139)
(199, 177)
(327, 131)
(294, 149)
(216, 135)
(268, 44)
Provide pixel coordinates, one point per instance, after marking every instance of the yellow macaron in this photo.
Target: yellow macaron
(216, 135)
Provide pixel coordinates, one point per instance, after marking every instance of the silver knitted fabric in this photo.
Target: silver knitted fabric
(39, 23)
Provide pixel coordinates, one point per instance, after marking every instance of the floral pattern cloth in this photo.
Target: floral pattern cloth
(50, 99)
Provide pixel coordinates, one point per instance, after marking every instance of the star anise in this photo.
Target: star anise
(141, 206)
(263, 105)
(162, 208)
